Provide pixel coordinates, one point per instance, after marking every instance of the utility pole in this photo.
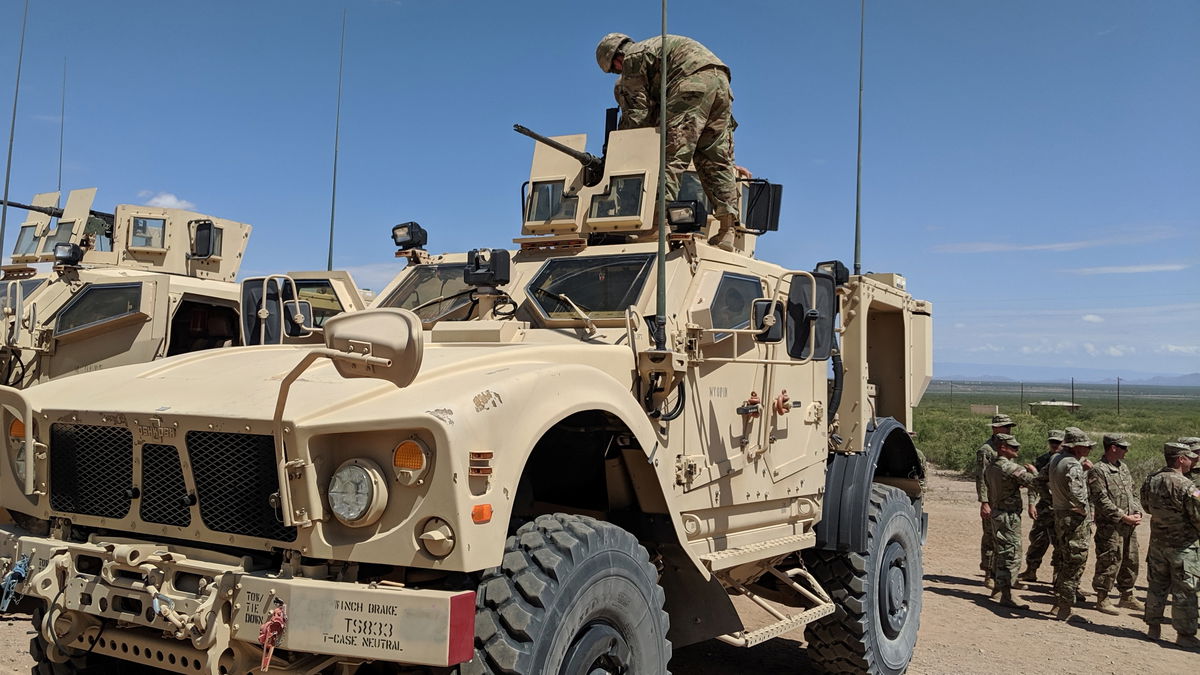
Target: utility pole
(1072, 393)
(1118, 396)
(1022, 396)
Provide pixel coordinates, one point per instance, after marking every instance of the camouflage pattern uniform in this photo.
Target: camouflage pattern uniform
(1193, 443)
(1110, 487)
(1072, 516)
(1173, 559)
(1041, 532)
(1004, 479)
(700, 120)
(984, 456)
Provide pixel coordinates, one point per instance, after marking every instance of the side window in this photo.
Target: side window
(425, 285)
(148, 233)
(26, 241)
(320, 294)
(97, 304)
(546, 203)
(60, 234)
(731, 303)
(624, 198)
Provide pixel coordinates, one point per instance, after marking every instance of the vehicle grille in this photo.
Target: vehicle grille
(165, 498)
(235, 477)
(91, 470)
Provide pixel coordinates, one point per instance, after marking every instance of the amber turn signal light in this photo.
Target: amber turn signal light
(16, 429)
(481, 513)
(409, 455)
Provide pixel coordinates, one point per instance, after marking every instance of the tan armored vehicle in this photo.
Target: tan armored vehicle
(502, 466)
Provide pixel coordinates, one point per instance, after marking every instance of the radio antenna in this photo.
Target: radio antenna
(660, 310)
(12, 126)
(337, 132)
(62, 124)
(862, 30)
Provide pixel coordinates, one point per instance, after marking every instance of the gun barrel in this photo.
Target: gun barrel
(587, 159)
(55, 212)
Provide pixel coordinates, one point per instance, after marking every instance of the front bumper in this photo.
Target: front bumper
(195, 611)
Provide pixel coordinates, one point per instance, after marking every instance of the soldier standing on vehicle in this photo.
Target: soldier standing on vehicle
(1041, 533)
(1118, 512)
(1004, 479)
(1072, 516)
(984, 456)
(1173, 501)
(699, 113)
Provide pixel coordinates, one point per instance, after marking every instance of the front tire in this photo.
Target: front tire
(877, 592)
(573, 596)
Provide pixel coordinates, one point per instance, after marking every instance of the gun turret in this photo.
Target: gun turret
(56, 212)
(593, 166)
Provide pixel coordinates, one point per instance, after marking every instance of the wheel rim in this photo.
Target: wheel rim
(598, 649)
(893, 590)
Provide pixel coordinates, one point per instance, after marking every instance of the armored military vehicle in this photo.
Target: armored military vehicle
(508, 464)
(127, 287)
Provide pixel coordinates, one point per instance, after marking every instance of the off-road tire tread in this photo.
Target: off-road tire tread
(840, 643)
(538, 557)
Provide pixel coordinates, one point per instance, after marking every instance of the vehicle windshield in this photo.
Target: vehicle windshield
(429, 282)
(600, 286)
(28, 286)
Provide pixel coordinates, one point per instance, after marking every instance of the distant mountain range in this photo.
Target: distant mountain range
(976, 372)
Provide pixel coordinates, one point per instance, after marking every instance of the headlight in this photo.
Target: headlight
(357, 493)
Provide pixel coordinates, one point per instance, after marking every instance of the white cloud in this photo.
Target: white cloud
(1178, 349)
(165, 200)
(989, 347)
(1091, 349)
(1119, 350)
(1143, 236)
(960, 325)
(1130, 269)
(1093, 318)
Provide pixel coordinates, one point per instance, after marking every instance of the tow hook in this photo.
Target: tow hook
(270, 632)
(8, 585)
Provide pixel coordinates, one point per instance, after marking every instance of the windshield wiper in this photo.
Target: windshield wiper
(562, 297)
(442, 298)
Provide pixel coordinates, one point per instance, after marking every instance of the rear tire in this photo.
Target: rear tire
(574, 596)
(877, 593)
(80, 664)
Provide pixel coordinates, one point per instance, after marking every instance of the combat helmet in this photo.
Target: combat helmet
(607, 50)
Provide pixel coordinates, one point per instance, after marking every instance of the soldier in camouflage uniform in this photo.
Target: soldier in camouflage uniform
(1118, 512)
(1193, 443)
(1072, 516)
(984, 456)
(699, 107)
(1173, 561)
(1041, 533)
(1004, 479)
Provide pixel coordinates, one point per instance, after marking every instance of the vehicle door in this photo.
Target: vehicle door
(107, 323)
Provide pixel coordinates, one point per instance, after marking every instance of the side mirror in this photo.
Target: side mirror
(762, 206)
(204, 245)
(266, 329)
(299, 316)
(773, 332)
(387, 333)
(803, 316)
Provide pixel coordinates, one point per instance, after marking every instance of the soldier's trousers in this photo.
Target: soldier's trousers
(1006, 548)
(985, 546)
(1116, 558)
(700, 130)
(1175, 571)
(1041, 536)
(1071, 530)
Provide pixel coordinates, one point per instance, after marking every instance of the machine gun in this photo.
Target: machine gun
(56, 212)
(593, 166)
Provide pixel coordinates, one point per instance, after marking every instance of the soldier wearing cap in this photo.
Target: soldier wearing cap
(984, 456)
(1173, 559)
(1072, 516)
(1193, 443)
(1041, 533)
(699, 114)
(1004, 479)
(1118, 512)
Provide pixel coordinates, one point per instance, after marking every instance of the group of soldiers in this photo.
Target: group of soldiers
(1067, 494)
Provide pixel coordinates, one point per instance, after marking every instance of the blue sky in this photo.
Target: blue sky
(1031, 167)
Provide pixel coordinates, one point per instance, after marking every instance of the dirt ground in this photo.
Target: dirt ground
(962, 632)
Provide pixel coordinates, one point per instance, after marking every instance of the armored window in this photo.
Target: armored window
(731, 302)
(98, 304)
(324, 300)
(148, 233)
(26, 241)
(61, 233)
(546, 202)
(8, 291)
(623, 198)
(440, 288)
(600, 286)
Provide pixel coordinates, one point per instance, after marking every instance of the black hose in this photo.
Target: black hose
(835, 396)
(677, 410)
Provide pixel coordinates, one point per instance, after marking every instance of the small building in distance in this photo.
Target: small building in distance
(1052, 405)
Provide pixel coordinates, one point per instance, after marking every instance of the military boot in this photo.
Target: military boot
(1154, 632)
(1028, 576)
(1104, 606)
(1006, 600)
(1187, 641)
(1017, 585)
(726, 232)
(1062, 611)
(1130, 602)
(987, 582)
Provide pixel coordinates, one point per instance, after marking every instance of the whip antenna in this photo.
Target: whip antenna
(660, 310)
(337, 131)
(12, 127)
(862, 24)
